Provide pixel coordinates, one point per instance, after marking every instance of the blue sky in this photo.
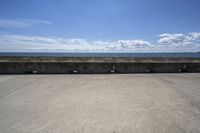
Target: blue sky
(100, 25)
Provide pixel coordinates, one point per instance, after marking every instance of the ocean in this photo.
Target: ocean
(171, 55)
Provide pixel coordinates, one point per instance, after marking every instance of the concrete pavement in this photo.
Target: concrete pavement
(127, 103)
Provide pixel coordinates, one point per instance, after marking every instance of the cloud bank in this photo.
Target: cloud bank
(167, 43)
(21, 23)
(179, 39)
(37, 43)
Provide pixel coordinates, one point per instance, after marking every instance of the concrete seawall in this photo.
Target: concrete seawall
(87, 65)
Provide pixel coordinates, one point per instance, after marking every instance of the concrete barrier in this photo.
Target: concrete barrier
(68, 65)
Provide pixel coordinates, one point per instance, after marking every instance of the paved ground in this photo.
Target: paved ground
(135, 103)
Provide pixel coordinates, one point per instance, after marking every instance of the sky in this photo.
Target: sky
(99, 25)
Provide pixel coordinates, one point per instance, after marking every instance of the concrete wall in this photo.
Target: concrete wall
(96, 67)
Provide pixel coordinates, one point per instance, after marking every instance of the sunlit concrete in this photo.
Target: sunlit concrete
(129, 103)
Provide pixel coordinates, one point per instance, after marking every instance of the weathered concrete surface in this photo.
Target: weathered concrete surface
(96, 65)
(138, 103)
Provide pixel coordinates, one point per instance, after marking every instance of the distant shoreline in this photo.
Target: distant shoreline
(143, 55)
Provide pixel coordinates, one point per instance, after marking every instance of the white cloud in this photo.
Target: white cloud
(37, 43)
(195, 36)
(131, 44)
(21, 23)
(179, 39)
(167, 43)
